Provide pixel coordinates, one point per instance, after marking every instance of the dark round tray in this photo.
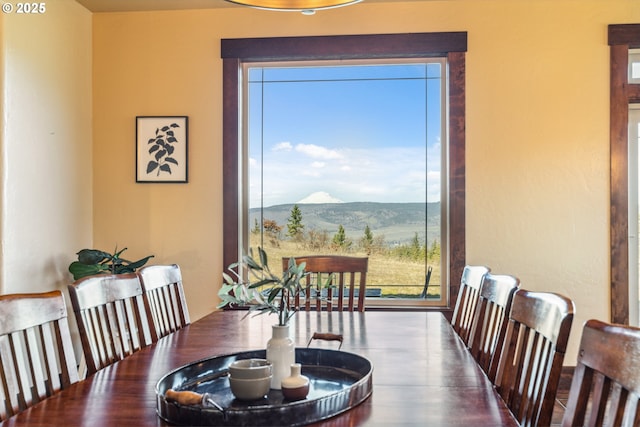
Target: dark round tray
(339, 381)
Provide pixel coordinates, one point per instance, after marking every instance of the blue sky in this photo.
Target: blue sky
(356, 133)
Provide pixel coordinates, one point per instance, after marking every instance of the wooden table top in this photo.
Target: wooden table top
(422, 374)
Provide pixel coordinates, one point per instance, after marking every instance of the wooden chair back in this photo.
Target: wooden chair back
(348, 278)
(490, 322)
(36, 352)
(605, 389)
(164, 298)
(467, 301)
(111, 318)
(531, 360)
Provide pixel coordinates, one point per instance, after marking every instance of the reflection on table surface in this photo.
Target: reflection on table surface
(422, 373)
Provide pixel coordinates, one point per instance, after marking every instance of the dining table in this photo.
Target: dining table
(422, 373)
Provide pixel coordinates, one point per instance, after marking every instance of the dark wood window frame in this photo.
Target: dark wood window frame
(622, 93)
(452, 45)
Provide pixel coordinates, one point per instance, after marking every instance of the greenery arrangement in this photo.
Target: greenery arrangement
(94, 261)
(262, 291)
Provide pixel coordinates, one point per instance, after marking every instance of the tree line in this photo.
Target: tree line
(369, 243)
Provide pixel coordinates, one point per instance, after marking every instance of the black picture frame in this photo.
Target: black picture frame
(161, 149)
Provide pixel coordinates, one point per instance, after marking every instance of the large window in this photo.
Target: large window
(347, 158)
(347, 144)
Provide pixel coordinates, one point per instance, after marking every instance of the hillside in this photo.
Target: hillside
(397, 222)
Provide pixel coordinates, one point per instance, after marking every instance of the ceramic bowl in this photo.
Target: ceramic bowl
(250, 389)
(250, 369)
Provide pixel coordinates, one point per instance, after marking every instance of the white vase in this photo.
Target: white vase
(281, 353)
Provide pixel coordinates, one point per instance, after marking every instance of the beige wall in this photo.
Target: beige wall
(46, 151)
(45, 143)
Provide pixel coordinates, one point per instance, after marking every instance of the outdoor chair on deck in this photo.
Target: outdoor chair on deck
(531, 360)
(465, 309)
(111, 318)
(164, 298)
(36, 353)
(605, 389)
(490, 322)
(347, 277)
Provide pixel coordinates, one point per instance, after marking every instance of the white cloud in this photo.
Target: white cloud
(318, 152)
(387, 174)
(283, 146)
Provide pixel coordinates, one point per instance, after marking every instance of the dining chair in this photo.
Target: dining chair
(467, 301)
(164, 298)
(531, 360)
(490, 322)
(36, 352)
(605, 389)
(346, 275)
(111, 318)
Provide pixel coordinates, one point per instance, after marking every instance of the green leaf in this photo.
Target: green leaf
(79, 270)
(262, 283)
(274, 293)
(227, 278)
(92, 256)
(122, 269)
(225, 289)
(252, 264)
(263, 256)
(139, 263)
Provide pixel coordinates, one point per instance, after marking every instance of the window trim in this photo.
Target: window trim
(453, 45)
(621, 38)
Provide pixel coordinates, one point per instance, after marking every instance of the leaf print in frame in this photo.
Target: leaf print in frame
(161, 149)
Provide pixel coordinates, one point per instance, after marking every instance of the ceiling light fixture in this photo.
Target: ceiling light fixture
(307, 7)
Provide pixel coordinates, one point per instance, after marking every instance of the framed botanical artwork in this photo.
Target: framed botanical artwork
(161, 149)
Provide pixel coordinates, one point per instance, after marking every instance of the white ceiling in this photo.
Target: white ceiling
(140, 5)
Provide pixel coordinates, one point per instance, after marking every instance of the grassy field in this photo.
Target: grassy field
(395, 277)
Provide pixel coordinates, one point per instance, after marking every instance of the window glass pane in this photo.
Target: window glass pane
(634, 65)
(357, 149)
